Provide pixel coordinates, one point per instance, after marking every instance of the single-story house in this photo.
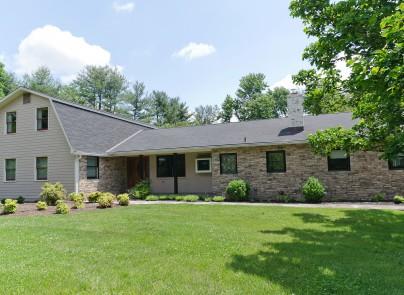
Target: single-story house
(46, 139)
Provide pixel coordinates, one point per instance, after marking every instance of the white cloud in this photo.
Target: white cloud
(62, 52)
(123, 7)
(287, 82)
(195, 50)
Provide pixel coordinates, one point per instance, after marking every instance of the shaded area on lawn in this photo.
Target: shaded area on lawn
(360, 253)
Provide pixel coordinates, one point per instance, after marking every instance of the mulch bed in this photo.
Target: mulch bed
(29, 209)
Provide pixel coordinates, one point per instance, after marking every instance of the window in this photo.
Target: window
(42, 119)
(276, 161)
(11, 118)
(203, 165)
(10, 169)
(42, 168)
(171, 165)
(339, 161)
(93, 171)
(228, 163)
(397, 163)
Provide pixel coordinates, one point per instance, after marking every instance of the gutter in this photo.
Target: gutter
(202, 148)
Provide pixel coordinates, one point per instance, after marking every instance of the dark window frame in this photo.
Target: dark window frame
(173, 170)
(11, 123)
(269, 170)
(42, 120)
(37, 168)
(335, 164)
(6, 170)
(221, 161)
(392, 167)
(96, 166)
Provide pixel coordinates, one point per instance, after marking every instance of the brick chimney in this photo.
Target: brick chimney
(295, 109)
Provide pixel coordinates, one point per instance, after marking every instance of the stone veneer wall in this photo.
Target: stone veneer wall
(369, 175)
(113, 176)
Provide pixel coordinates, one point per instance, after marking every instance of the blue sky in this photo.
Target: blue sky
(145, 38)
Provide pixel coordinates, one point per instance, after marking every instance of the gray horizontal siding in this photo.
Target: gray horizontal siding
(27, 144)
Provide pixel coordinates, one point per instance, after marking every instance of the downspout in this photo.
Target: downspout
(77, 173)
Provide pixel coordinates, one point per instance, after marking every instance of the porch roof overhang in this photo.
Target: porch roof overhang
(199, 149)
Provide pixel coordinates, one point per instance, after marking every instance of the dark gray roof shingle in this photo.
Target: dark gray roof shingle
(92, 132)
(273, 131)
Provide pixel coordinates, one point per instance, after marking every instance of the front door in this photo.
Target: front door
(138, 170)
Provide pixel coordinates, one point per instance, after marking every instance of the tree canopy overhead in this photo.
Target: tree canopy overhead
(369, 36)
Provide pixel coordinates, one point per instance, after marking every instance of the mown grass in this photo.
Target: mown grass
(188, 249)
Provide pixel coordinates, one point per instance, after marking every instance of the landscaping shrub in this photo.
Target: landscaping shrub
(207, 199)
(3, 201)
(152, 198)
(20, 200)
(164, 198)
(93, 197)
(10, 206)
(398, 199)
(78, 199)
(123, 199)
(140, 191)
(41, 205)
(379, 197)
(218, 199)
(105, 200)
(238, 190)
(313, 190)
(51, 193)
(61, 207)
(191, 198)
(179, 198)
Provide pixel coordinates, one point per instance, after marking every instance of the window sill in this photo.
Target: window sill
(275, 172)
(9, 181)
(42, 130)
(40, 180)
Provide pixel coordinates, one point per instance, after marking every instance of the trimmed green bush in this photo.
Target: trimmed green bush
(41, 205)
(398, 199)
(238, 190)
(379, 197)
(78, 199)
(313, 190)
(61, 207)
(10, 206)
(3, 201)
(140, 191)
(51, 193)
(93, 197)
(164, 198)
(218, 199)
(207, 199)
(152, 198)
(106, 200)
(191, 198)
(179, 198)
(123, 199)
(20, 200)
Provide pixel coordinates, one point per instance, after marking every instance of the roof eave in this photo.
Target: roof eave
(200, 148)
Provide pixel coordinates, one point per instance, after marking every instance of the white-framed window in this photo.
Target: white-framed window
(41, 168)
(203, 165)
(10, 169)
(42, 119)
(11, 122)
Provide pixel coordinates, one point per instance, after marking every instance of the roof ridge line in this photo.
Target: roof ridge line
(123, 141)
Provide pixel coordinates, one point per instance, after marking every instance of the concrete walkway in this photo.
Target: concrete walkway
(342, 205)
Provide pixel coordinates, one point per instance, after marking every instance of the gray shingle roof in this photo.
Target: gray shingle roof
(93, 132)
(273, 131)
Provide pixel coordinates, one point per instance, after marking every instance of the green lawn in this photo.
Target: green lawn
(191, 249)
